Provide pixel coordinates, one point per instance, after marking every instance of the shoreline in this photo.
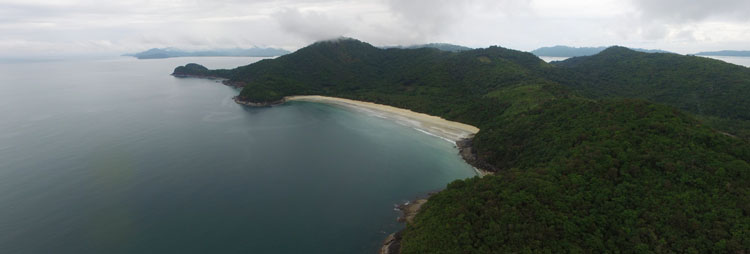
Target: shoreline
(392, 243)
(459, 134)
(428, 124)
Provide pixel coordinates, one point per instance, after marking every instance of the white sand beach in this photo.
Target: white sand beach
(432, 125)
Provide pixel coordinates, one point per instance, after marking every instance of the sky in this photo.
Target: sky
(63, 28)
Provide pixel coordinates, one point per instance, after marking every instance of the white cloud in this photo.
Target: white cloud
(311, 25)
(48, 27)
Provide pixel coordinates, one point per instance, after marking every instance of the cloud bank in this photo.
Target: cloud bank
(88, 27)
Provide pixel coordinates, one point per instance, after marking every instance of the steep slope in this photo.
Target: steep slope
(597, 177)
(453, 85)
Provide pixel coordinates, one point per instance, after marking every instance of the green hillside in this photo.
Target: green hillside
(597, 177)
(458, 86)
(714, 90)
(578, 171)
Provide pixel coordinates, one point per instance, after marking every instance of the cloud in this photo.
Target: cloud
(70, 26)
(429, 19)
(682, 11)
(311, 25)
(681, 21)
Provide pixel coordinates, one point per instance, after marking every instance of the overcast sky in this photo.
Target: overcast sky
(94, 27)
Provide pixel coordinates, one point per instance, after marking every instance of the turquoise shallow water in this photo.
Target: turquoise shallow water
(116, 156)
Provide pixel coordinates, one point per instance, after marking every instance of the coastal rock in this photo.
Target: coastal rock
(231, 83)
(392, 244)
(467, 152)
(411, 209)
(238, 100)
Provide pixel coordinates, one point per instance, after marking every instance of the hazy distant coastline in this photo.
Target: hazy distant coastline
(159, 53)
(567, 51)
(743, 53)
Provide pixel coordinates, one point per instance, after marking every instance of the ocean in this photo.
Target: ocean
(117, 156)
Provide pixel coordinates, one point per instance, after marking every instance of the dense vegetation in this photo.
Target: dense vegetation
(699, 85)
(608, 176)
(458, 86)
(576, 173)
(191, 69)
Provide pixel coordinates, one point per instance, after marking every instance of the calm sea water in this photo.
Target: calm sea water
(738, 60)
(116, 156)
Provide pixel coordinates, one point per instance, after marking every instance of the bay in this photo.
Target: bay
(117, 156)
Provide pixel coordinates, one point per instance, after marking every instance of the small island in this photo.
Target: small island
(192, 70)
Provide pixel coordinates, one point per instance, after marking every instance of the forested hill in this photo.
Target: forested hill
(704, 86)
(574, 173)
(713, 90)
(458, 86)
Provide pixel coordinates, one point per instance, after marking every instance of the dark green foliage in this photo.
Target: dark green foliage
(191, 69)
(448, 84)
(702, 86)
(576, 174)
(597, 177)
(259, 93)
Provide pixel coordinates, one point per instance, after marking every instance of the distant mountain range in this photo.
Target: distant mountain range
(441, 46)
(745, 53)
(566, 51)
(157, 53)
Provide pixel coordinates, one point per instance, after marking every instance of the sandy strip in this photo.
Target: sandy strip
(432, 125)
